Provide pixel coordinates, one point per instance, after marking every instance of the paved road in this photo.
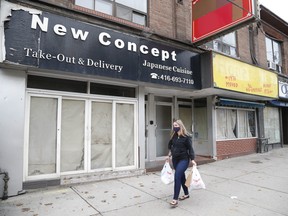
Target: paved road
(253, 185)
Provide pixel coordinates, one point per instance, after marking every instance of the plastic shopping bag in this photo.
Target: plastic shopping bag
(196, 181)
(167, 175)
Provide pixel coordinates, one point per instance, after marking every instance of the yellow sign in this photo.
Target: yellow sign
(241, 77)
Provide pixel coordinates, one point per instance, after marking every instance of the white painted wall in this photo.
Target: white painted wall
(12, 105)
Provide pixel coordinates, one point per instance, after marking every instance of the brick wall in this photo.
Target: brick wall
(260, 48)
(232, 148)
(243, 44)
(161, 18)
(184, 21)
(170, 19)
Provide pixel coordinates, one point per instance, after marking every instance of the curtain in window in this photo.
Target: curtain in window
(72, 135)
(244, 129)
(101, 135)
(226, 124)
(221, 123)
(124, 135)
(42, 136)
(232, 123)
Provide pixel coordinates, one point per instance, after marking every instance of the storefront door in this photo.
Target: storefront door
(163, 128)
(185, 114)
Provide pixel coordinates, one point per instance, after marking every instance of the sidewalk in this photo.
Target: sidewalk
(253, 185)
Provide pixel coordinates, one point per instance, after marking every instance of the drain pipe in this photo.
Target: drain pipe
(5, 179)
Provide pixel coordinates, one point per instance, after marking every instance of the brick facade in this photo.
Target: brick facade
(232, 148)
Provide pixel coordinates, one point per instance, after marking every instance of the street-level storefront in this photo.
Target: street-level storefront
(240, 92)
(278, 131)
(91, 103)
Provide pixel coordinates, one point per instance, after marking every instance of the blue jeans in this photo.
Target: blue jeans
(180, 167)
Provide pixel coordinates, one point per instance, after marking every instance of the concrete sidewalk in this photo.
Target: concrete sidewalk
(248, 185)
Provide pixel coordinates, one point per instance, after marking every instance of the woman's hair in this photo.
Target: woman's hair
(183, 131)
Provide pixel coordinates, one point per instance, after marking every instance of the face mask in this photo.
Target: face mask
(176, 129)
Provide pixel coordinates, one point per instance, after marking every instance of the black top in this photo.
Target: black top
(181, 147)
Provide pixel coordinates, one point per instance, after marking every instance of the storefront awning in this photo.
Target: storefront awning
(278, 103)
(240, 103)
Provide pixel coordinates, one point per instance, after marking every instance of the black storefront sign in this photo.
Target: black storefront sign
(53, 42)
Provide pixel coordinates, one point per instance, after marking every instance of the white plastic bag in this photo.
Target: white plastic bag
(167, 175)
(196, 181)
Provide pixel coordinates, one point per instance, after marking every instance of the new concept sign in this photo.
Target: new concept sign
(211, 18)
(53, 42)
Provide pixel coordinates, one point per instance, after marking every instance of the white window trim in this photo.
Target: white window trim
(59, 95)
(242, 109)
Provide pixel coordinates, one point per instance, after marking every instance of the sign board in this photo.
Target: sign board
(238, 76)
(212, 18)
(58, 43)
(283, 89)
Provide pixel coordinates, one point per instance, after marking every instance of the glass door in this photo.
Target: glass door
(185, 114)
(163, 129)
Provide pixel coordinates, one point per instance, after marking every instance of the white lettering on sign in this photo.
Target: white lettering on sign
(60, 57)
(104, 38)
(58, 28)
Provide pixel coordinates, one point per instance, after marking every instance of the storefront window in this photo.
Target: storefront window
(76, 135)
(101, 135)
(272, 124)
(234, 123)
(244, 124)
(125, 149)
(226, 124)
(72, 135)
(42, 136)
(134, 11)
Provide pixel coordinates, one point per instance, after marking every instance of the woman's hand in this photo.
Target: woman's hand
(194, 163)
(168, 157)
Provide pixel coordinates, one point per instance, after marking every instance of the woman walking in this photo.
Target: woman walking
(180, 148)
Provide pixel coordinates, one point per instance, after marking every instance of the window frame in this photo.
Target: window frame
(35, 93)
(274, 64)
(133, 11)
(237, 128)
(220, 41)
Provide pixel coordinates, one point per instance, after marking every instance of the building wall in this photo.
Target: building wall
(162, 18)
(260, 47)
(242, 42)
(12, 106)
(171, 19)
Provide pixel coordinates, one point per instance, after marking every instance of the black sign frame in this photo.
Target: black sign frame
(54, 42)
